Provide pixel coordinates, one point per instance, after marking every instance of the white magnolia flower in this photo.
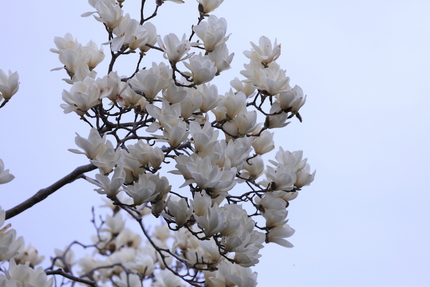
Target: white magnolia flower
(253, 168)
(246, 122)
(151, 36)
(233, 104)
(201, 203)
(243, 86)
(111, 86)
(64, 258)
(229, 274)
(183, 239)
(108, 186)
(110, 13)
(248, 253)
(77, 59)
(213, 222)
(82, 96)
(28, 254)
(143, 265)
(129, 98)
(247, 258)
(93, 54)
(24, 275)
(122, 256)
(221, 58)
(128, 280)
(304, 176)
(293, 160)
(277, 235)
(91, 146)
(205, 255)
(168, 115)
(162, 186)
(209, 97)
(269, 80)
(273, 210)
(202, 68)
(146, 154)
(129, 33)
(174, 94)
(66, 42)
(128, 238)
(87, 263)
(5, 176)
(115, 224)
(209, 5)
(290, 101)
(72, 60)
(238, 221)
(276, 121)
(176, 134)
(191, 104)
(162, 232)
(212, 32)
(208, 176)
(213, 256)
(9, 244)
(181, 166)
(107, 158)
(203, 138)
(272, 80)
(264, 143)
(286, 195)
(237, 240)
(174, 49)
(179, 210)
(156, 157)
(9, 84)
(151, 81)
(165, 278)
(265, 52)
(143, 190)
(80, 73)
(281, 178)
(235, 152)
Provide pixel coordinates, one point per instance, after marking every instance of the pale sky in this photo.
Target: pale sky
(364, 66)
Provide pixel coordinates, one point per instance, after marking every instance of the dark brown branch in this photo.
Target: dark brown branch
(71, 277)
(45, 192)
(141, 12)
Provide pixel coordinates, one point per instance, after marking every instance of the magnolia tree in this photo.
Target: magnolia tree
(160, 122)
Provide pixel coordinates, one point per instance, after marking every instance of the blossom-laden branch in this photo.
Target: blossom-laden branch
(168, 117)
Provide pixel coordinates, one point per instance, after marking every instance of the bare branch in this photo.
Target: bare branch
(71, 277)
(45, 192)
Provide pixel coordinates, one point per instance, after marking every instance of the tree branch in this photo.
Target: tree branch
(45, 192)
(71, 277)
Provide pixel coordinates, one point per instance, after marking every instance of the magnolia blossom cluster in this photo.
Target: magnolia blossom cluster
(22, 260)
(78, 60)
(165, 124)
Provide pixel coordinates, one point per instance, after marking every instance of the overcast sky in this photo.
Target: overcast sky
(364, 66)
